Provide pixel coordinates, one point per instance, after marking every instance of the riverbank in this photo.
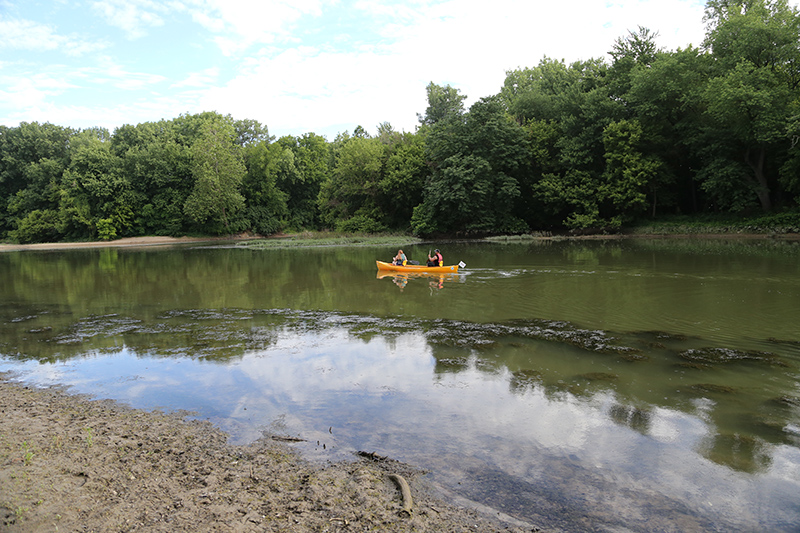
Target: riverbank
(68, 463)
(316, 240)
(122, 243)
(255, 241)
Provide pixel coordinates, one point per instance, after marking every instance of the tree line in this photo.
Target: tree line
(591, 144)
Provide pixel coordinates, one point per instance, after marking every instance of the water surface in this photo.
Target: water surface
(644, 385)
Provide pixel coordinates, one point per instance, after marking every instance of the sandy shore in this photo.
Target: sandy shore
(68, 463)
(122, 243)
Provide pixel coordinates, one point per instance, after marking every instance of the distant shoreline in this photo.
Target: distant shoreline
(121, 243)
(130, 242)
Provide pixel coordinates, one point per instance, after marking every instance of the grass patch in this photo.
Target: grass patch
(316, 238)
(536, 235)
(775, 223)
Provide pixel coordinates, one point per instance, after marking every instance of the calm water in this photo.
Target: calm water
(634, 385)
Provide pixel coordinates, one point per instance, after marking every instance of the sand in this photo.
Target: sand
(70, 463)
(122, 243)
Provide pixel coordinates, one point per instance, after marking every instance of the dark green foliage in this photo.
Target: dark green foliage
(216, 200)
(302, 177)
(477, 165)
(32, 158)
(360, 223)
(37, 226)
(375, 182)
(266, 208)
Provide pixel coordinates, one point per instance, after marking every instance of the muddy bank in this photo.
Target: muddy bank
(122, 243)
(69, 463)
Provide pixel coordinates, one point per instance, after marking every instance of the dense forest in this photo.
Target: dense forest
(592, 144)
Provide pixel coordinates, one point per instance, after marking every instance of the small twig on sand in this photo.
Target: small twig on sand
(372, 455)
(288, 439)
(405, 492)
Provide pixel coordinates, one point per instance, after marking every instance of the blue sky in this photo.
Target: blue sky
(296, 66)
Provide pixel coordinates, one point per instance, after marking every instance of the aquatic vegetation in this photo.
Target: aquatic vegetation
(772, 428)
(634, 356)
(598, 376)
(451, 365)
(712, 388)
(710, 356)
(471, 334)
(555, 358)
(784, 342)
(310, 239)
(694, 366)
(787, 401)
(98, 326)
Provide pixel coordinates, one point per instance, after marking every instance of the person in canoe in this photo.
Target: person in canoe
(435, 260)
(400, 258)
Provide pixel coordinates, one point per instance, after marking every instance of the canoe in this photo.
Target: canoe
(415, 268)
(415, 275)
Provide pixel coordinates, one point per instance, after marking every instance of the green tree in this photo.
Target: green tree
(250, 132)
(349, 200)
(629, 174)
(634, 51)
(572, 189)
(266, 203)
(303, 180)
(443, 103)
(32, 158)
(94, 194)
(543, 92)
(400, 188)
(790, 171)
(218, 172)
(159, 168)
(748, 115)
(757, 47)
(474, 186)
(667, 100)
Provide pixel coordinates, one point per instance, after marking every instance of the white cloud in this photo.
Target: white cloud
(109, 73)
(304, 89)
(32, 91)
(204, 78)
(242, 23)
(82, 96)
(132, 16)
(19, 34)
(27, 35)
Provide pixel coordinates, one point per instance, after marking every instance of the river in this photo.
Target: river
(620, 385)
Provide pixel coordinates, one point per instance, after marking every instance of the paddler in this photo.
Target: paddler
(436, 259)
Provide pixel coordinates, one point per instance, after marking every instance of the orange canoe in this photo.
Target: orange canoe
(416, 268)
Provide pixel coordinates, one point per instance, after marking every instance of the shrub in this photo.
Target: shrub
(37, 226)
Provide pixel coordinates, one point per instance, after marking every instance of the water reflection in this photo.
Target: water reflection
(570, 385)
(555, 358)
(515, 415)
(433, 280)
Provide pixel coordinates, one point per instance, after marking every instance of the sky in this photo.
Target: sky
(296, 66)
